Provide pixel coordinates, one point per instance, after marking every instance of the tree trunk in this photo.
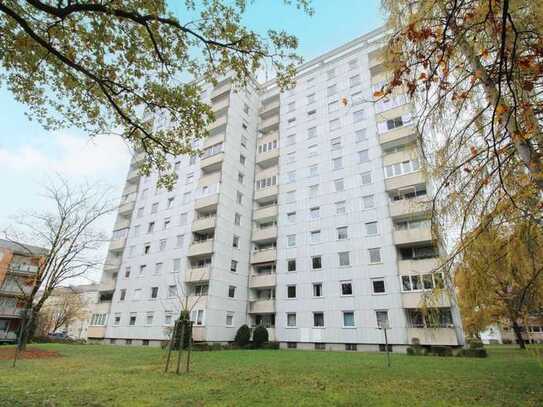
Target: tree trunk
(518, 335)
(29, 327)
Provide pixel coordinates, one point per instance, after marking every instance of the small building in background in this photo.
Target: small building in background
(18, 268)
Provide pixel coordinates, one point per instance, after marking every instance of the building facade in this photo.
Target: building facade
(18, 267)
(306, 213)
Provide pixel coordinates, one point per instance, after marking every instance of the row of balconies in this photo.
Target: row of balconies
(11, 312)
(23, 268)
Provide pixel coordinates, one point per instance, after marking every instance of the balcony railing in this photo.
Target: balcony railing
(22, 268)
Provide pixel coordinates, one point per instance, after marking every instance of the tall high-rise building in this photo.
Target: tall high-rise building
(305, 213)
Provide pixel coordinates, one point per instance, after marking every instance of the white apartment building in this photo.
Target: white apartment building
(305, 213)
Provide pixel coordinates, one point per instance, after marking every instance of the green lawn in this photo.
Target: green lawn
(96, 375)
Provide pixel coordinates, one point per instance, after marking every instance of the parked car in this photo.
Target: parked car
(58, 335)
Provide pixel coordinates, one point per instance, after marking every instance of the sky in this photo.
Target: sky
(30, 155)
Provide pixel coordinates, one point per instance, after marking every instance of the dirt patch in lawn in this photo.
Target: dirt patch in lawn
(29, 353)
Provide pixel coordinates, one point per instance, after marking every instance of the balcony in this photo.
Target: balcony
(408, 207)
(198, 333)
(433, 336)
(269, 124)
(399, 135)
(410, 236)
(96, 332)
(404, 181)
(262, 280)
(218, 124)
(117, 245)
(201, 248)
(221, 89)
(204, 224)
(127, 208)
(268, 159)
(122, 223)
(264, 256)
(11, 312)
(207, 202)
(212, 163)
(212, 178)
(270, 109)
(196, 275)
(398, 157)
(422, 266)
(112, 263)
(394, 112)
(262, 307)
(220, 105)
(139, 158)
(264, 234)
(133, 176)
(197, 300)
(23, 269)
(265, 214)
(421, 299)
(267, 194)
(212, 140)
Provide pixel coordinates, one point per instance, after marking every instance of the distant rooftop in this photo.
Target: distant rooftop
(22, 249)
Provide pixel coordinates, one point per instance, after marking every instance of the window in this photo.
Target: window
(244, 141)
(368, 202)
(158, 268)
(353, 64)
(312, 114)
(363, 156)
(197, 316)
(291, 106)
(314, 213)
(335, 143)
(154, 208)
(310, 82)
(346, 288)
(341, 208)
(266, 182)
(147, 248)
(291, 240)
(239, 197)
(333, 106)
(291, 265)
(311, 133)
(375, 255)
(339, 185)
(245, 108)
(348, 319)
(382, 319)
(192, 160)
(150, 227)
(162, 245)
(334, 124)
(177, 165)
(312, 150)
(234, 266)
(291, 122)
(291, 176)
(132, 320)
(378, 285)
(366, 178)
(360, 135)
(313, 190)
(316, 262)
(318, 320)
(291, 320)
(342, 233)
(237, 219)
(117, 318)
(354, 81)
(351, 346)
(142, 269)
(291, 217)
(229, 318)
(311, 98)
(291, 139)
(291, 291)
(235, 241)
(358, 116)
(168, 316)
(189, 178)
(291, 196)
(315, 236)
(176, 265)
(154, 292)
(405, 167)
(186, 196)
(344, 259)
(127, 272)
(371, 228)
(140, 212)
(98, 319)
(172, 291)
(331, 73)
(418, 282)
(123, 295)
(144, 193)
(231, 291)
(291, 157)
(242, 159)
(149, 318)
(240, 177)
(179, 240)
(337, 163)
(317, 290)
(183, 219)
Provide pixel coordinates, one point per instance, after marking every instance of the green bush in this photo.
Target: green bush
(474, 343)
(271, 345)
(216, 347)
(410, 351)
(260, 336)
(243, 336)
(472, 353)
(203, 347)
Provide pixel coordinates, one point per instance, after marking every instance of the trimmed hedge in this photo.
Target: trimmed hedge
(472, 353)
(260, 336)
(243, 336)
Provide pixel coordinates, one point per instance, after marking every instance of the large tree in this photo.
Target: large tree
(68, 232)
(97, 65)
(500, 275)
(475, 69)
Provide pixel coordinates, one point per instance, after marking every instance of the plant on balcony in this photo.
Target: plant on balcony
(260, 336)
(243, 336)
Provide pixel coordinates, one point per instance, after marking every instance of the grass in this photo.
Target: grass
(94, 375)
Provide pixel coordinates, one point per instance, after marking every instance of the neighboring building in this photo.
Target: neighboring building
(532, 332)
(82, 309)
(306, 213)
(18, 267)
